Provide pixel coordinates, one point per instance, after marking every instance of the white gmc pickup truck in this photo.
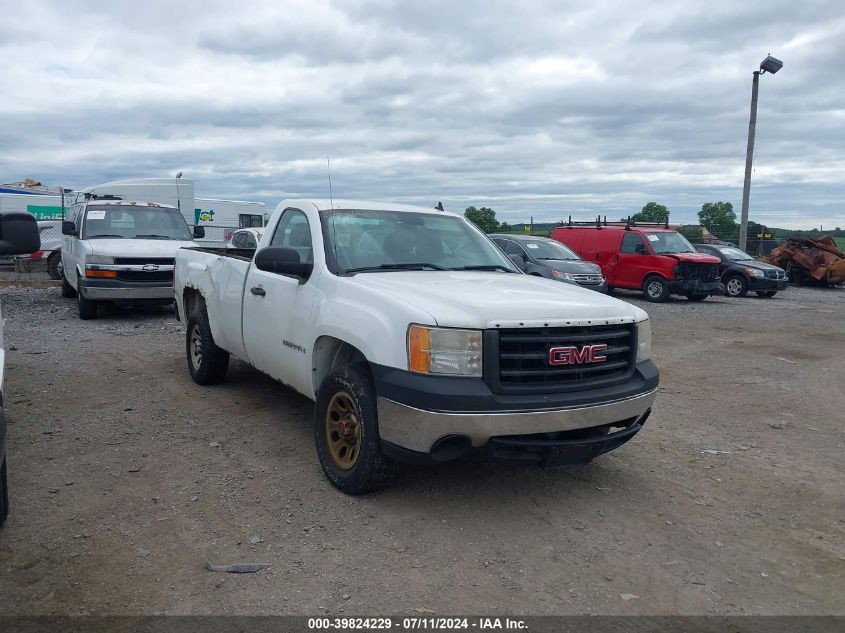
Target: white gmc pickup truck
(418, 339)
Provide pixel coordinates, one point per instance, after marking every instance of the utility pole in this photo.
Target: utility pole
(749, 156)
(768, 65)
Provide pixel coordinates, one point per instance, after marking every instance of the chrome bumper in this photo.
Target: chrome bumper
(117, 293)
(418, 430)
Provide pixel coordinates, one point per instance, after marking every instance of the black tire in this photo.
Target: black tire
(695, 297)
(207, 363)
(54, 265)
(87, 308)
(4, 493)
(736, 286)
(67, 290)
(656, 289)
(766, 294)
(362, 467)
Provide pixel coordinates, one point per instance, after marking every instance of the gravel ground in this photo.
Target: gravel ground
(126, 478)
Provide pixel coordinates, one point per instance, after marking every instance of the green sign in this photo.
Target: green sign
(42, 212)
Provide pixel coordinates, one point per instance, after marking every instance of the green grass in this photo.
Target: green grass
(840, 243)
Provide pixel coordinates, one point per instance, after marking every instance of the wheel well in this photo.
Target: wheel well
(650, 275)
(191, 298)
(331, 353)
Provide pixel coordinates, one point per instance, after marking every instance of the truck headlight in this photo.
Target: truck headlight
(565, 276)
(643, 340)
(99, 259)
(755, 273)
(444, 351)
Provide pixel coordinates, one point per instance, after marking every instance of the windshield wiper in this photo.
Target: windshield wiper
(91, 237)
(412, 266)
(154, 237)
(484, 267)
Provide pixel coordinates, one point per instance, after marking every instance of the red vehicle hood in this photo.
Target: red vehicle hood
(697, 258)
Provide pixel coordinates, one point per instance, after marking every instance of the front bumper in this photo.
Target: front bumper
(419, 413)
(117, 290)
(696, 287)
(764, 284)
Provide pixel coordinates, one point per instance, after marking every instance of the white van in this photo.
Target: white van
(121, 250)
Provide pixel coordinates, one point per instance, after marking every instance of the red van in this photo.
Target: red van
(652, 258)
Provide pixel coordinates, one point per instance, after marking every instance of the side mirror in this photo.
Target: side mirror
(282, 261)
(519, 260)
(640, 249)
(199, 232)
(69, 228)
(19, 234)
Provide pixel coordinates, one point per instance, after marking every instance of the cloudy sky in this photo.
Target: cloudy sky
(533, 108)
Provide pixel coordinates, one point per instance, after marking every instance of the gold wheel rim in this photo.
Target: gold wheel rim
(343, 431)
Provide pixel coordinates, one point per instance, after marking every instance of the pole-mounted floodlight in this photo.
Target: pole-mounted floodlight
(769, 65)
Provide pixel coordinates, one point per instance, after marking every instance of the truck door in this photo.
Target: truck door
(632, 262)
(277, 309)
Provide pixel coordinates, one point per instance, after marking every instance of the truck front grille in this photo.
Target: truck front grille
(700, 272)
(140, 261)
(555, 359)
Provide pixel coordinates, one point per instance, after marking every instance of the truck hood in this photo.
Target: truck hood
(136, 248)
(696, 258)
(481, 300)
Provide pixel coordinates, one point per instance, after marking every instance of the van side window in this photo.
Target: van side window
(293, 231)
(630, 243)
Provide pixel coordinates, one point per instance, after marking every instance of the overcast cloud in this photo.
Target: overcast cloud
(540, 108)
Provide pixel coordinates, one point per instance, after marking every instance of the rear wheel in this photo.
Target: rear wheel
(736, 286)
(346, 432)
(656, 289)
(207, 363)
(54, 265)
(768, 294)
(87, 307)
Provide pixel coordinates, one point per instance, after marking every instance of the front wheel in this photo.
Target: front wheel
(736, 286)
(54, 265)
(67, 290)
(207, 362)
(768, 294)
(87, 307)
(656, 289)
(346, 432)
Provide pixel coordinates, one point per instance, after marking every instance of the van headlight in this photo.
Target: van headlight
(99, 259)
(444, 351)
(643, 340)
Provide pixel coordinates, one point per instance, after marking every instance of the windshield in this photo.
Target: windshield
(365, 241)
(547, 249)
(669, 242)
(734, 254)
(134, 222)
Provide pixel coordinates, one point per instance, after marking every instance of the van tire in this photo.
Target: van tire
(87, 307)
(207, 362)
(54, 265)
(4, 493)
(67, 290)
(656, 289)
(370, 469)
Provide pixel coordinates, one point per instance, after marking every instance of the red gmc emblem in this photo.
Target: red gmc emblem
(572, 355)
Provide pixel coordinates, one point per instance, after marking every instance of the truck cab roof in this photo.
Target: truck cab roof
(326, 204)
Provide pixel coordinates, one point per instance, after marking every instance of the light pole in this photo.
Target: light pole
(768, 65)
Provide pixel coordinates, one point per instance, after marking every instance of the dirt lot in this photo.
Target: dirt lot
(127, 477)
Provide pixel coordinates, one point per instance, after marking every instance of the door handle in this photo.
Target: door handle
(258, 291)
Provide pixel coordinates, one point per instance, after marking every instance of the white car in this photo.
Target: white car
(245, 238)
(123, 251)
(418, 339)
